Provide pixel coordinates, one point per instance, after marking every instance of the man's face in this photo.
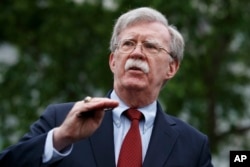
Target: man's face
(139, 70)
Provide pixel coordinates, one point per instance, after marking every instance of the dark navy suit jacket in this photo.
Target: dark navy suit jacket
(173, 144)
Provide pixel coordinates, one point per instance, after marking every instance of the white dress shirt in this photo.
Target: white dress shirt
(122, 125)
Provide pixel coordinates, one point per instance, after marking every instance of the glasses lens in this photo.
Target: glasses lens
(127, 46)
(150, 48)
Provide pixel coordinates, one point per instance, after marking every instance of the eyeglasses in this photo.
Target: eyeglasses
(148, 48)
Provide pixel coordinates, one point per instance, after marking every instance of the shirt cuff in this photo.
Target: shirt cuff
(50, 154)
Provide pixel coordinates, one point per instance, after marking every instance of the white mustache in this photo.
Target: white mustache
(136, 63)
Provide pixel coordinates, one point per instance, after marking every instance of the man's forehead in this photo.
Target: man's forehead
(143, 33)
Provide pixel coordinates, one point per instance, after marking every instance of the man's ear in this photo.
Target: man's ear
(173, 67)
(111, 62)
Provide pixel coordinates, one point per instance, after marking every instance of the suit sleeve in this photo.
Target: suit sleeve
(205, 159)
(29, 150)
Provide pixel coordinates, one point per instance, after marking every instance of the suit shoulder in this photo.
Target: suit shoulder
(61, 106)
(58, 111)
(185, 128)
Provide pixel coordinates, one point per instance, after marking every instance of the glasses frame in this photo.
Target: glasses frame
(158, 47)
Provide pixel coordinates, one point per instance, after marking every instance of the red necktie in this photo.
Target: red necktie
(131, 149)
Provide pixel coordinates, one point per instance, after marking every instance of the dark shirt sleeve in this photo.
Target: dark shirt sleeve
(205, 156)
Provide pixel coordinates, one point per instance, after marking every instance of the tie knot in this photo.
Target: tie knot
(133, 114)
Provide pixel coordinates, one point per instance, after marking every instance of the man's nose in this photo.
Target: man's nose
(138, 49)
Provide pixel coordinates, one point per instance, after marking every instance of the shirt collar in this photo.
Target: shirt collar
(148, 111)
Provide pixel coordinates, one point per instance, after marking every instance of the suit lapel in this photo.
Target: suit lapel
(161, 144)
(102, 142)
(162, 140)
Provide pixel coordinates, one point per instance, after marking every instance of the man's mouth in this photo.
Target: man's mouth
(135, 68)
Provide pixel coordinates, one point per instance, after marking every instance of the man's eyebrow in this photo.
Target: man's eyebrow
(152, 41)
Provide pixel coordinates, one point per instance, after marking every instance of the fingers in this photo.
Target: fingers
(100, 102)
(90, 105)
(83, 119)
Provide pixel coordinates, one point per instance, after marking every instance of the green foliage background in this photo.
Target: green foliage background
(63, 56)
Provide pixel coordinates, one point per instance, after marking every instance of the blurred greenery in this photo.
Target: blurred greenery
(62, 55)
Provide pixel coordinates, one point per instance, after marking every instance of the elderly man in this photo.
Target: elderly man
(128, 128)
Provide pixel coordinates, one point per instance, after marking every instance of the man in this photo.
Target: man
(145, 53)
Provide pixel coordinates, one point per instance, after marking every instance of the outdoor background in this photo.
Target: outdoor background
(54, 51)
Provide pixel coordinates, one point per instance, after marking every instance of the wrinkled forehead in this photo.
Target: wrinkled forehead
(146, 31)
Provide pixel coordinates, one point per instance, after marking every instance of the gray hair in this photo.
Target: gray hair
(177, 43)
(146, 14)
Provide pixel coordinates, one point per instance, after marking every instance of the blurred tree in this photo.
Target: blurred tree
(63, 45)
(64, 51)
(208, 90)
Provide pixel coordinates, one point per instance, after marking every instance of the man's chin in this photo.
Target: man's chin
(135, 85)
